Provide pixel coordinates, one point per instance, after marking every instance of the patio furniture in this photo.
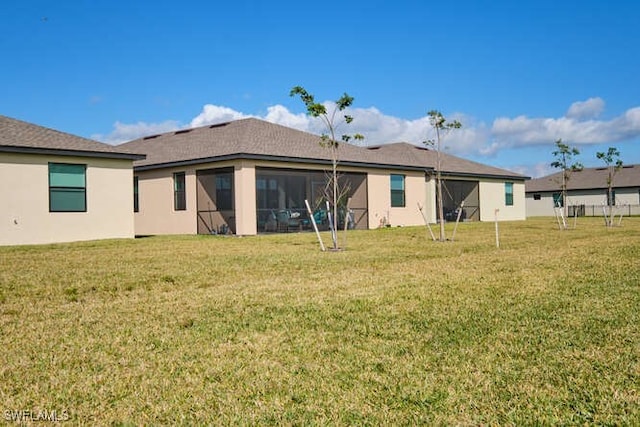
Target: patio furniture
(288, 222)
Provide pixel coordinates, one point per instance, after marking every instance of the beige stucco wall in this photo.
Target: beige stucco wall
(245, 196)
(589, 198)
(627, 196)
(542, 207)
(624, 196)
(492, 197)
(416, 192)
(24, 211)
(156, 213)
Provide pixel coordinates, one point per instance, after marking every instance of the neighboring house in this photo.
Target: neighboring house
(586, 192)
(250, 176)
(58, 187)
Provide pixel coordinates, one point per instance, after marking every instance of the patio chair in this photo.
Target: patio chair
(286, 222)
(272, 222)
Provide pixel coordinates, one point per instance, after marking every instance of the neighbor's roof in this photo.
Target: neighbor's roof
(254, 138)
(587, 179)
(21, 137)
(450, 165)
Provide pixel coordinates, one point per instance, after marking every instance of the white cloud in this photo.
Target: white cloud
(123, 132)
(370, 122)
(589, 109)
(474, 139)
(524, 131)
(281, 115)
(379, 128)
(212, 114)
(535, 170)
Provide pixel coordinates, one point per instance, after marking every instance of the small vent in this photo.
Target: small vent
(218, 125)
(178, 132)
(151, 136)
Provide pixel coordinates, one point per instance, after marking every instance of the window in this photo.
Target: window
(136, 205)
(179, 194)
(557, 200)
(67, 187)
(224, 191)
(267, 192)
(537, 196)
(508, 193)
(397, 191)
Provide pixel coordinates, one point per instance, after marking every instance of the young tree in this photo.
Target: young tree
(442, 127)
(564, 160)
(330, 140)
(612, 159)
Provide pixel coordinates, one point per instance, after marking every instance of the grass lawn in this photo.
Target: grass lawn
(261, 330)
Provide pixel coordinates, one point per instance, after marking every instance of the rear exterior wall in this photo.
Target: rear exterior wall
(25, 216)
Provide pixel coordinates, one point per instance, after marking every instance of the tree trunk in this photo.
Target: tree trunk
(439, 188)
(334, 177)
(565, 208)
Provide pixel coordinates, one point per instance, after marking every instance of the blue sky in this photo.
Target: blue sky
(518, 75)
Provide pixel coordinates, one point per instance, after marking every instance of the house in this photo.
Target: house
(58, 187)
(482, 188)
(249, 176)
(586, 192)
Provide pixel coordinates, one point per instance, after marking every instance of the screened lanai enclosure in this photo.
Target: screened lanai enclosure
(454, 192)
(281, 195)
(216, 213)
(280, 200)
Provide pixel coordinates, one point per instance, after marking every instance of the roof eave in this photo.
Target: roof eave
(66, 152)
(601, 188)
(300, 160)
(485, 175)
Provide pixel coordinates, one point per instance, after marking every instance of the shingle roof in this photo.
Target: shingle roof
(260, 139)
(587, 179)
(451, 165)
(240, 138)
(23, 137)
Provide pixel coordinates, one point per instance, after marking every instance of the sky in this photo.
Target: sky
(518, 75)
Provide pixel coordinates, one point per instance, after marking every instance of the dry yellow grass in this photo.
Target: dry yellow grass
(268, 330)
